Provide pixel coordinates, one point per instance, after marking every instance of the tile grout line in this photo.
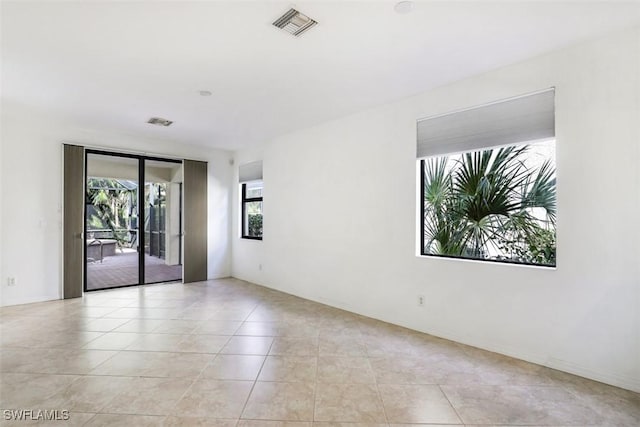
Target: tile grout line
(451, 404)
(253, 386)
(195, 379)
(375, 378)
(315, 383)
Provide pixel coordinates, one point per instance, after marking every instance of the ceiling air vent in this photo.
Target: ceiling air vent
(159, 122)
(294, 22)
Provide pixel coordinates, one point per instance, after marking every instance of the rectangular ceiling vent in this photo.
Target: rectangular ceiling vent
(294, 22)
(159, 121)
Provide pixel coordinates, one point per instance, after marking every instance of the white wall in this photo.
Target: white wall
(31, 218)
(340, 220)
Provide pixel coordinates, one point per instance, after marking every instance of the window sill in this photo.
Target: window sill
(488, 261)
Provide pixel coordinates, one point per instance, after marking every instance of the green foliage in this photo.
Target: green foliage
(481, 205)
(255, 225)
(109, 200)
(538, 246)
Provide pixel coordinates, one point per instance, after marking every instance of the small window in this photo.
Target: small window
(252, 210)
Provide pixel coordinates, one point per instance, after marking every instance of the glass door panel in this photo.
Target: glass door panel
(111, 221)
(162, 221)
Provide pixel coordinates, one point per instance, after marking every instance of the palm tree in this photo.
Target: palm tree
(482, 205)
(109, 199)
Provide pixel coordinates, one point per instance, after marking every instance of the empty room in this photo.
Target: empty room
(328, 213)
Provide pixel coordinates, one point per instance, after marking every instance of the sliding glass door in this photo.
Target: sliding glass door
(111, 221)
(133, 220)
(162, 221)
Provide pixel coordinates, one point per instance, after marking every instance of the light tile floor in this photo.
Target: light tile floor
(227, 353)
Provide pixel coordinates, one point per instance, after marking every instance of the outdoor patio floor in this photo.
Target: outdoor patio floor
(122, 269)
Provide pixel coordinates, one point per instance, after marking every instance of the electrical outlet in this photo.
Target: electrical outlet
(260, 267)
(11, 281)
(421, 300)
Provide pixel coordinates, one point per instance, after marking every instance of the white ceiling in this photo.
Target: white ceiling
(115, 64)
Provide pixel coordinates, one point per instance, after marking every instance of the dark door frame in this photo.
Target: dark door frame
(141, 211)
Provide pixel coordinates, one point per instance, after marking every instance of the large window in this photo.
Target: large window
(252, 210)
(495, 204)
(488, 182)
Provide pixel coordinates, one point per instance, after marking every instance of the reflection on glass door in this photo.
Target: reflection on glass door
(111, 221)
(162, 221)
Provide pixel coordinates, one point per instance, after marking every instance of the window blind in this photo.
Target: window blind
(526, 118)
(250, 171)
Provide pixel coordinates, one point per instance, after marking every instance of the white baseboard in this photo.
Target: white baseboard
(617, 380)
(222, 275)
(546, 360)
(607, 378)
(28, 300)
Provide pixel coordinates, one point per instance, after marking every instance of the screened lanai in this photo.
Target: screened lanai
(113, 225)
